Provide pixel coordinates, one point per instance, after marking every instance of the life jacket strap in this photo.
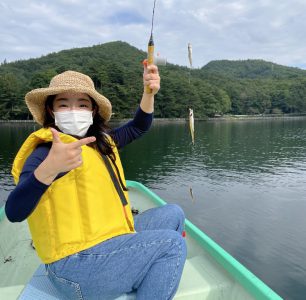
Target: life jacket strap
(115, 180)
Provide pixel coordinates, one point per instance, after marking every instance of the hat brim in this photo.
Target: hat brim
(36, 99)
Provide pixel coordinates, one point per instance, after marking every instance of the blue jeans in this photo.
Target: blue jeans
(149, 262)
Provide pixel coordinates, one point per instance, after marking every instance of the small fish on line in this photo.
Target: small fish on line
(190, 54)
(191, 124)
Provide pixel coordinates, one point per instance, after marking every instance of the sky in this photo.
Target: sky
(272, 30)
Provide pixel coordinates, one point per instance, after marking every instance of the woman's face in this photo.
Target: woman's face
(72, 101)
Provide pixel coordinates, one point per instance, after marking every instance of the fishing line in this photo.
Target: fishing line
(191, 116)
(153, 18)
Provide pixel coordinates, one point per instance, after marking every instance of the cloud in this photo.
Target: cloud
(127, 17)
(223, 29)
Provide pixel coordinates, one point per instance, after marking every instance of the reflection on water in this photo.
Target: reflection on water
(11, 138)
(248, 181)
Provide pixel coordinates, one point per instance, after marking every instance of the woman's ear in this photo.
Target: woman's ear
(95, 110)
(50, 112)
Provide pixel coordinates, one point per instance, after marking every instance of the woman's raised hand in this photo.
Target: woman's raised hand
(61, 158)
(151, 77)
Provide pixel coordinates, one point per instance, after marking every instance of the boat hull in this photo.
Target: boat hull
(209, 273)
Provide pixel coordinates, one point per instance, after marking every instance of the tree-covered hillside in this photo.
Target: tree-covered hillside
(238, 87)
(251, 68)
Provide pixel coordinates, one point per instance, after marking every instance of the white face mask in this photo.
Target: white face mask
(74, 122)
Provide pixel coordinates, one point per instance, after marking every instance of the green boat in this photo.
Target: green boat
(209, 273)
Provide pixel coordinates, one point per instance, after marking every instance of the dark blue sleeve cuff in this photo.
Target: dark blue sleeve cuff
(133, 129)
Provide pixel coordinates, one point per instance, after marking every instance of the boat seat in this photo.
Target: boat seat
(40, 287)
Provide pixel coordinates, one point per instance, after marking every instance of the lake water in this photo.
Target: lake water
(248, 182)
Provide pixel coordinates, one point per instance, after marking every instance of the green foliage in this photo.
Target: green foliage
(11, 106)
(251, 68)
(41, 79)
(239, 87)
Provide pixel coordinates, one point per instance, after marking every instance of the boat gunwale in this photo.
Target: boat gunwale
(246, 278)
(2, 213)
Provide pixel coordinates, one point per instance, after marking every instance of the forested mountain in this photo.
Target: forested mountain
(237, 87)
(251, 68)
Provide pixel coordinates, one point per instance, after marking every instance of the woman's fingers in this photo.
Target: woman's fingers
(149, 68)
(153, 69)
(152, 80)
(83, 142)
(151, 76)
(55, 135)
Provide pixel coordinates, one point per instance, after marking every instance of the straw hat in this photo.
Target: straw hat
(68, 81)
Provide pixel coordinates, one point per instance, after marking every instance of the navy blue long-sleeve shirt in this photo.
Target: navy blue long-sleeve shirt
(24, 198)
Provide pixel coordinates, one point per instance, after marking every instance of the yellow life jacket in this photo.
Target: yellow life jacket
(78, 210)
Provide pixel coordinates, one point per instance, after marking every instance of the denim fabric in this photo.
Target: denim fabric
(149, 262)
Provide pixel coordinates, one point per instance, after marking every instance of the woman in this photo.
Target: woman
(71, 189)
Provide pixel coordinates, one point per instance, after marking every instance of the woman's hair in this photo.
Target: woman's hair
(98, 129)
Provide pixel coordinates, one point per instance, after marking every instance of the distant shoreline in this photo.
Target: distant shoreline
(257, 117)
(222, 118)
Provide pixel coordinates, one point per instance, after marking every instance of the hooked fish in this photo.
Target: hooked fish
(191, 124)
(190, 54)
